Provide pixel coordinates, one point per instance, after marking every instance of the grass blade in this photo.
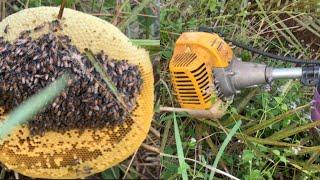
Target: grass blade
(99, 68)
(182, 163)
(265, 141)
(204, 165)
(134, 14)
(148, 44)
(269, 22)
(289, 132)
(33, 105)
(295, 42)
(223, 146)
(276, 119)
(309, 150)
(168, 121)
(250, 139)
(306, 24)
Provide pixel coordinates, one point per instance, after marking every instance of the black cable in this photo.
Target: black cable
(257, 51)
(273, 56)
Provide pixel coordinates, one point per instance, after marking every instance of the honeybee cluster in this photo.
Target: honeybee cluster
(28, 65)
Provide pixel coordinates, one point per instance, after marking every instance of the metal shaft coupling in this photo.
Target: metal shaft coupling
(239, 75)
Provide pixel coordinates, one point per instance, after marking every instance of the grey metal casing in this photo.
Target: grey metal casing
(238, 75)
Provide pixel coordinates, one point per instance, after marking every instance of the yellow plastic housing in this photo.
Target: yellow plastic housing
(194, 57)
(75, 154)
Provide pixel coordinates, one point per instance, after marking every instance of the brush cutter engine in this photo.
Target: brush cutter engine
(204, 69)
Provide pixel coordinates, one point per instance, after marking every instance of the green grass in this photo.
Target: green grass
(275, 139)
(223, 146)
(182, 164)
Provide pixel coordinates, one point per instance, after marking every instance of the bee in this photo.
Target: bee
(6, 29)
(25, 33)
(55, 26)
(96, 108)
(38, 28)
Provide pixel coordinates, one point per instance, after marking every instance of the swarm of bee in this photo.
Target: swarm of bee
(28, 65)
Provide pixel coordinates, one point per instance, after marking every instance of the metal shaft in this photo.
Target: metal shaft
(286, 73)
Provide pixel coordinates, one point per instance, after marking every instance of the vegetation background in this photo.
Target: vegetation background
(276, 139)
(139, 20)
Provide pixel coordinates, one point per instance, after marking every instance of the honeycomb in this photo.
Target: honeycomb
(76, 154)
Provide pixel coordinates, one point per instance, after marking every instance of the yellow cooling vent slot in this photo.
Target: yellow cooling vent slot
(194, 57)
(74, 154)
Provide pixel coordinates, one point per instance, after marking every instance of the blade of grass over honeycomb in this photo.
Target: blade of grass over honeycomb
(150, 45)
(32, 106)
(99, 67)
